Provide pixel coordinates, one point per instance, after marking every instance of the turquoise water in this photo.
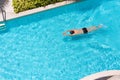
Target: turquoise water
(33, 47)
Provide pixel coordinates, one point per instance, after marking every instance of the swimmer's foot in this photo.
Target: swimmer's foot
(100, 26)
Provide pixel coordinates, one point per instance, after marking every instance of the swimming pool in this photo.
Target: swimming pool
(33, 47)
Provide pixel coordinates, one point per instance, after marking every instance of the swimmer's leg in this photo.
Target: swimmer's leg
(93, 28)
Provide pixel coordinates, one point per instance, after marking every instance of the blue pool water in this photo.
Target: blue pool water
(33, 47)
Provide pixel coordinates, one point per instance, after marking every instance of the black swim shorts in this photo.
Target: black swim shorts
(85, 30)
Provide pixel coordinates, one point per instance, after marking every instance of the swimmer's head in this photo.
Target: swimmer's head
(72, 32)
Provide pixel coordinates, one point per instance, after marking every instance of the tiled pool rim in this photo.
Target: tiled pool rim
(101, 74)
(12, 15)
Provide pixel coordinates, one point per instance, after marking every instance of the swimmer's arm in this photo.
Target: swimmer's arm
(67, 34)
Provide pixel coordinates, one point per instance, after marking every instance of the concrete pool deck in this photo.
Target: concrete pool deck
(105, 75)
(10, 14)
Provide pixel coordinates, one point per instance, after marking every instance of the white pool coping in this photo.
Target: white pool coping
(11, 15)
(102, 74)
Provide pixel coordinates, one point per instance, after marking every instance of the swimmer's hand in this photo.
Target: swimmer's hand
(64, 33)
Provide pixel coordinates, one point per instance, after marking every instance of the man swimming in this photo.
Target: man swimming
(81, 31)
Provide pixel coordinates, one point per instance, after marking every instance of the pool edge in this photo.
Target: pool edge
(12, 15)
(101, 74)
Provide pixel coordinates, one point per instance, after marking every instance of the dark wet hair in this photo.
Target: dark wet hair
(72, 32)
